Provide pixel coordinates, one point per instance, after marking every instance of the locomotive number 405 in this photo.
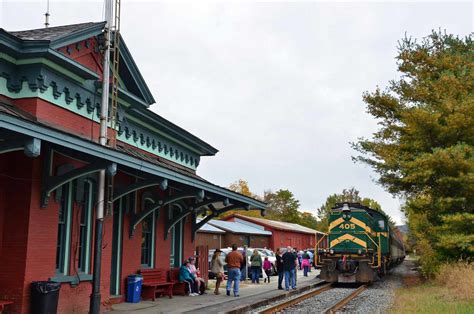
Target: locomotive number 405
(347, 226)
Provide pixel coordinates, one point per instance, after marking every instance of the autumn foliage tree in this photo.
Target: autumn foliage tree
(424, 148)
(242, 187)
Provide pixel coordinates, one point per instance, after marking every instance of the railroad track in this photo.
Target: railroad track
(339, 305)
(333, 309)
(283, 305)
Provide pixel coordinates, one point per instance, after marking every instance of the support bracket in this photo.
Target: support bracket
(30, 145)
(192, 209)
(137, 218)
(214, 213)
(51, 183)
(148, 182)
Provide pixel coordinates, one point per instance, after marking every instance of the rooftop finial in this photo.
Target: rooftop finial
(46, 15)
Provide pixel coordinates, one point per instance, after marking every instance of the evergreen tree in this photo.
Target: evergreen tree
(424, 148)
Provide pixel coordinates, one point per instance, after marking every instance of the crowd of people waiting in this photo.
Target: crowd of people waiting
(287, 263)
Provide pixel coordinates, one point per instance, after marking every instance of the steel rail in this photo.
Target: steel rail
(283, 305)
(339, 305)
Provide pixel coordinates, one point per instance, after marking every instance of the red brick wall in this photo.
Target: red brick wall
(59, 117)
(15, 185)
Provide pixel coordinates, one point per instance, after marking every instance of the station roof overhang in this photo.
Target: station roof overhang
(12, 121)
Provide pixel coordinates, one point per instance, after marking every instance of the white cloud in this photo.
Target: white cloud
(275, 86)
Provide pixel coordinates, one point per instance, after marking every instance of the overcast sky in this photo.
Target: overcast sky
(275, 86)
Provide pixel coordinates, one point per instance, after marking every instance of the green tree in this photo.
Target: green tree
(307, 219)
(348, 195)
(282, 206)
(424, 148)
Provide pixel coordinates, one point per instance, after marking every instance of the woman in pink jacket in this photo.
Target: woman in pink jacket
(267, 267)
(305, 263)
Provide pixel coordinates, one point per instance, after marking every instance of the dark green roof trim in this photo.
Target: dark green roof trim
(19, 49)
(135, 72)
(63, 139)
(173, 130)
(130, 98)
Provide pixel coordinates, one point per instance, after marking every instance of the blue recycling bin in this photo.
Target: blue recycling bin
(134, 288)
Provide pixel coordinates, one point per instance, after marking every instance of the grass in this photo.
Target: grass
(452, 291)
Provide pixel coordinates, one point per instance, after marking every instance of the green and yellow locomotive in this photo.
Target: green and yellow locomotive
(361, 245)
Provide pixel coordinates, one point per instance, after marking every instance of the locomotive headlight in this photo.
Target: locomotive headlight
(346, 208)
(331, 251)
(359, 251)
(346, 211)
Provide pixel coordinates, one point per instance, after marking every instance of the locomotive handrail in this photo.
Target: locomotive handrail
(379, 253)
(316, 259)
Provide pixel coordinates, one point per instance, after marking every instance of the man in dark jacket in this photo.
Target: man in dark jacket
(289, 267)
(279, 266)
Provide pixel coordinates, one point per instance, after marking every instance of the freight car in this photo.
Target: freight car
(362, 245)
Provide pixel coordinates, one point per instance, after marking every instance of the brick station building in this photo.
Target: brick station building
(50, 94)
(283, 233)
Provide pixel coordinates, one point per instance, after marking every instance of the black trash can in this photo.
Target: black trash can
(44, 297)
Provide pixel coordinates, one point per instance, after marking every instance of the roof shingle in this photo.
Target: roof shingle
(52, 33)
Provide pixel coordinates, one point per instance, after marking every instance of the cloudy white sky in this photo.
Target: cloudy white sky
(275, 86)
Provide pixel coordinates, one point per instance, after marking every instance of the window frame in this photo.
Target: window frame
(84, 263)
(176, 258)
(151, 219)
(63, 250)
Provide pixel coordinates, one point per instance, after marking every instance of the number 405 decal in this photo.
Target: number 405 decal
(347, 226)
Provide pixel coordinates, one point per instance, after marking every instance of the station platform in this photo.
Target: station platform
(251, 296)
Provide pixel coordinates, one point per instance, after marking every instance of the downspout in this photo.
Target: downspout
(96, 296)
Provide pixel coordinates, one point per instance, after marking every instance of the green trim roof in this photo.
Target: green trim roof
(14, 119)
(40, 44)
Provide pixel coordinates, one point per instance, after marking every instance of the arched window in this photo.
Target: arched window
(85, 228)
(63, 244)
(176, 237)
(148, 235)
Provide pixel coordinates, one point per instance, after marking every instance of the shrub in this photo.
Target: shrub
(458, 278)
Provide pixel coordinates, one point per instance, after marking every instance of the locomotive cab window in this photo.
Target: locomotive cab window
(381, 224)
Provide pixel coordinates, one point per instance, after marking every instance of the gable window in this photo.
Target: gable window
(64, 230)
(148, 237)
(85, 228)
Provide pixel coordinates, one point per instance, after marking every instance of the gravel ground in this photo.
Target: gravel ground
(378, 298)
(321, 302)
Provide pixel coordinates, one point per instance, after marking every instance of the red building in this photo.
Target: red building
(283, 233)
(50, 95)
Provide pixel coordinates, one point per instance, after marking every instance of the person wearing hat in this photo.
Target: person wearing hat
(200, 283)
(186, 276)
(217, 267)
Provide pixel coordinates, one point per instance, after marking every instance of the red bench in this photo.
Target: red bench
(4, 303)
(155, 282)
(178, 287)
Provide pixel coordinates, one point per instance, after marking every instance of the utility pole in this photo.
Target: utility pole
(99, 222)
